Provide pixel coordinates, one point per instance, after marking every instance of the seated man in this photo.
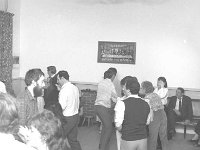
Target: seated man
(179, 109)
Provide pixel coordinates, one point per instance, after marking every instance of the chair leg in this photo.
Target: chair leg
(88, 121)
(83, 121)
(91, 121)
(184, 131)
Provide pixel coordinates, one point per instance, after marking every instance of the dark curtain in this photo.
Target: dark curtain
(6, 58)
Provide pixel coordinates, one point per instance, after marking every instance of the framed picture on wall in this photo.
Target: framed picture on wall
(116, 52)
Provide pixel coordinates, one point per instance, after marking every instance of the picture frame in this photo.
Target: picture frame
(116, 52)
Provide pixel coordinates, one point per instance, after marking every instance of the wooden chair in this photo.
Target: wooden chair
(88, 113)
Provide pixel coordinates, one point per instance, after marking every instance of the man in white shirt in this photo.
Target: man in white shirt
(2, 87)
(69, 101)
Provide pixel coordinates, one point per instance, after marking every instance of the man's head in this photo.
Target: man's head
(62, 77)
(114, 73)
(162, 82)
(123, 82)
(180, 92)
(35, 78)
(108, 74)
(146, 88)
(132, 86)
(51, 70)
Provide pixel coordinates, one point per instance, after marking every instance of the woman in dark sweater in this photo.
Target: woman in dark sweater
(131, 118)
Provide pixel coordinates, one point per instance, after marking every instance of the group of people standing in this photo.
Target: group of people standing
(141, 114)
(54, 128)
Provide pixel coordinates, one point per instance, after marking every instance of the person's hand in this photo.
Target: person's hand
(114, 97)
(119, 128)
(24, 133)
(178, 113)
(58, 87)
(150, 117)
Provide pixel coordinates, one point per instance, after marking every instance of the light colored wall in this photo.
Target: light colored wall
(19, 85)
(66, 33)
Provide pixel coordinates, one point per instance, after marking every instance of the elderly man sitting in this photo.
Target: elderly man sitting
(179, 109)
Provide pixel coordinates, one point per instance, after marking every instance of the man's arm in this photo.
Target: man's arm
(171, 103)
(119, 114)
(113, 92)
(190, 110)
(22, 112)
(62, 100)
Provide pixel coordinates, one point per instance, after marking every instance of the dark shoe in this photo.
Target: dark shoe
(170, 134)
(159, 147)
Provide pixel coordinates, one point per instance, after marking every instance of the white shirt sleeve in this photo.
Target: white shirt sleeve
(163, 93)
(119, 113)
(113, 90)
(63, 99)
(2, 87)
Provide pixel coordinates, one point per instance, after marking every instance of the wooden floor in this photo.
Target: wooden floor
(89, 140)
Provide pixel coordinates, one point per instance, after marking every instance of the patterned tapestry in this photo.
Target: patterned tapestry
(6, 58)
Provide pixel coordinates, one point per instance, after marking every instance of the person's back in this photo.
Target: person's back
(135, 117)
(27, 106)
(72, 99)
(105, 89)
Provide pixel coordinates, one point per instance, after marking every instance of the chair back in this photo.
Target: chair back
(88, 99)
(196, 108)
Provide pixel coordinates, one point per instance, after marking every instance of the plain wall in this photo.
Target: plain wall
(65, 33)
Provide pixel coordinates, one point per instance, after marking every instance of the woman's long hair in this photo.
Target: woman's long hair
(50, 128)
(8, 114)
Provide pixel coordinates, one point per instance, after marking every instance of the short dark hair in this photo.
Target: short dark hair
(63, 74)
(108, 74)
(33, 75)
(50, 128)
(114, 70)
(52, 69)
(148, 87)
(8, 113)
(124, 80)
(133, 85)
(181, 89)
(163, 79)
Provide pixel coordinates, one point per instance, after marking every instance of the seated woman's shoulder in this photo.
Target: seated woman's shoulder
(8, 142)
